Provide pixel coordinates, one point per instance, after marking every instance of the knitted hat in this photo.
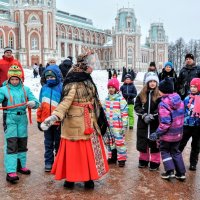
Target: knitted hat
(51, 59)
(114, 83)
(189, 55)
(7, 49)
(196, 82)
(166, 86)
(152, 64)
(49, 73)
(14, 70)
(169, 64)
(151, 76)
(128, 76)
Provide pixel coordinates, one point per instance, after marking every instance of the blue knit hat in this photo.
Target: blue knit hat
(169, 64)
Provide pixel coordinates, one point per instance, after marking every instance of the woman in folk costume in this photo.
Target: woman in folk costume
(81, 156)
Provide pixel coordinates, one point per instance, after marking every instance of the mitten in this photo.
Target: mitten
(30, 104)
(39, 124)
(49, 121)
(144, 115)
(148, 118)
(153, 136)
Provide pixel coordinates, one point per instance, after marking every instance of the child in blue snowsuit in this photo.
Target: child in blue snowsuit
(129, 92)
(50, 96)
(15, 98)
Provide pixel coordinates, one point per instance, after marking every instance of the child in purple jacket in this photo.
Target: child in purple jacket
(170, 130)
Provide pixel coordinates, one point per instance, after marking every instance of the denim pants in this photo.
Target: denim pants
(51, 143)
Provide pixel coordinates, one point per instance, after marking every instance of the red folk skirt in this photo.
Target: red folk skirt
(82, 160)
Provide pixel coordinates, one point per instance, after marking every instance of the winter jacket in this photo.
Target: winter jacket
(49, 96)
(189, 118)
(16, 95)
(171, 74)
(171, 118)
(129, 92)
(78, 98)
(5, 64)
(116, 110)
(186, 74)
(43, 80)
(150, 107)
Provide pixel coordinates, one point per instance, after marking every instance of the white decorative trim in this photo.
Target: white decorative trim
(14, 42)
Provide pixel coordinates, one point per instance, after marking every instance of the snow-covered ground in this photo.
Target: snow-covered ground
(100, 78)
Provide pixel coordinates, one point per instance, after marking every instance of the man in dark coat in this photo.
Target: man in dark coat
(187, 73)
(124, 72)
(109, 74)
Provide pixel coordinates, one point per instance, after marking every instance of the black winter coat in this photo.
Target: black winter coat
(186, 74)
(162, 75)
(129, 92)
(142, 128)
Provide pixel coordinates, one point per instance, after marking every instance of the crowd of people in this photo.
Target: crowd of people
(70, 113)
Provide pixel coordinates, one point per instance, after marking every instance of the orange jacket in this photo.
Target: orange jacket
(5, 64)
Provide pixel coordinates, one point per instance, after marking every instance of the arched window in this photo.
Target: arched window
(34, 43)
(11, 41)
(94, 38)
(62, 32)
(1, 42)
(98, 39)
(76, 35)
(70, 33)
(82, 36)
(88, 37)
(49, 3)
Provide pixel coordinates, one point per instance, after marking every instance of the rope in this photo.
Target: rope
(19, 105)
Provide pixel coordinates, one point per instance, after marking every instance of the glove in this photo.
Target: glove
(153, 136)
(144, 115)
(148, 118)
(30, 104)
(49, 121)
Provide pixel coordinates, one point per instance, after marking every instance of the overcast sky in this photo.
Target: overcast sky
(181, 18)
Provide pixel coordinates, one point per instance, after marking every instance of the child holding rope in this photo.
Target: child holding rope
(15, 98)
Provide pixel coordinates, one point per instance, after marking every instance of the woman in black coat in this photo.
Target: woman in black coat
(168, 71)
(146, 107)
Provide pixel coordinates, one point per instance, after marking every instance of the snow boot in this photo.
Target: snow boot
(12, 177)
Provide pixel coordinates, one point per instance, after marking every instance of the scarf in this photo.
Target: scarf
(81, 76)
(196, 109)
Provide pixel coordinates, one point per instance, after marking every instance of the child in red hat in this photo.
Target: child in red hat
(192, 122)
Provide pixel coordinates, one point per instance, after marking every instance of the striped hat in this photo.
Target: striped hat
(14, 70)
